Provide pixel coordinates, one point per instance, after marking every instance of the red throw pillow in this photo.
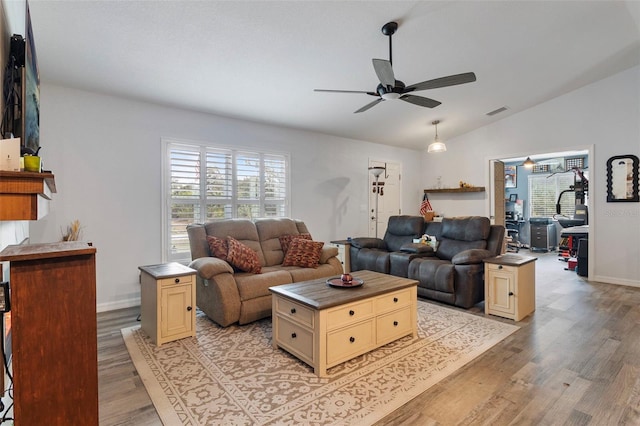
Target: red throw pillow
(243, 257)
(218, 247)
(285, 240)
(304, 253)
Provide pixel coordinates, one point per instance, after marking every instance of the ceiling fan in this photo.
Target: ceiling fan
(390, 88)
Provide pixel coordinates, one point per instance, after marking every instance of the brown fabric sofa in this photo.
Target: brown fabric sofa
(228, 296)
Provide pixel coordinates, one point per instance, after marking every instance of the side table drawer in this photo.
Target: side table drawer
(349, 314)
(394, 300)
(295, 339)
(185, 279)
(501, 268)
(393, 325)
(350, 341)
(294, 311)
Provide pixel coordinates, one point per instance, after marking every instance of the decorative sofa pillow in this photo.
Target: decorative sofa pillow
(304, 253)
(218, 247)
(243, 257)
(285, 240)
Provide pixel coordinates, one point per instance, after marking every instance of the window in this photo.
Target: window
(544, 191)
(203, 183)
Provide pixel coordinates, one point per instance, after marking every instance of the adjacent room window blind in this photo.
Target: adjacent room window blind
(205, 182)
(544, 190)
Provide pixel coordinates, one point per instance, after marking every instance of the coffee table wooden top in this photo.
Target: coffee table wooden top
(317, 294)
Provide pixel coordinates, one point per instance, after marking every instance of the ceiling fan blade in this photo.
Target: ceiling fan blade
(345, 91)
(384, 71)
(369, 105)
(450, 80)
(420, 101)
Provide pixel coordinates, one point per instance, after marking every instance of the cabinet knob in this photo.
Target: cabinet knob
(293, 310)
(499, 266)
(395, 323)
(293, 335)
(395, 300)
(189, 308)
(352, 313)
(510, 293)
(352, 339)
(177, 280)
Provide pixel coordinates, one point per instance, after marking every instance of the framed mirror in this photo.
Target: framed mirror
(622, 179)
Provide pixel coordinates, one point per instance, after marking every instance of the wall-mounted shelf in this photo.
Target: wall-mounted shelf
(453, 190)
(25, 195)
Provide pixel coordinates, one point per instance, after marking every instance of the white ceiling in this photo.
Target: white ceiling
(261, 60)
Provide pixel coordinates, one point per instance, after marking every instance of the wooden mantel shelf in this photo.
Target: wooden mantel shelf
(25, 195)
(449, 190)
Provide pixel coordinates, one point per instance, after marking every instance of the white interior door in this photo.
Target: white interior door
(386, 195)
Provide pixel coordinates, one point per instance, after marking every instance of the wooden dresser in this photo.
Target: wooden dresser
(54, 335)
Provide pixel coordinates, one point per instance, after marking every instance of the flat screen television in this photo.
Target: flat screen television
(22, 90)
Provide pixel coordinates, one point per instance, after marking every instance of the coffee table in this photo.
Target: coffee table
(325, 326)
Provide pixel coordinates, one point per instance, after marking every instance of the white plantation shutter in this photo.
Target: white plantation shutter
(275, 186)
(205, 183)
(219, 184)
(544, 190)
(184, 196)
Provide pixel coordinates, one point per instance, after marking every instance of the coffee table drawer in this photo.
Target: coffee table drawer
(295, 339)
(349, 314)
(348, 342)
(294, 311)
(393, 300)
(393, 325)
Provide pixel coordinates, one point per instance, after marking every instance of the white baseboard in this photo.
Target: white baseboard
(617, 281)
(120, 304)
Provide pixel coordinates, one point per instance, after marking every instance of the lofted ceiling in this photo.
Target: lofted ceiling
(261, 60)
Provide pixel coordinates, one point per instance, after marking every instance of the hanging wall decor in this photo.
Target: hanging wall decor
(510, 177)
(622, 179)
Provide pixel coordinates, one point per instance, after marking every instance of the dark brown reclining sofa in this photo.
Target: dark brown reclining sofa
(453, 273)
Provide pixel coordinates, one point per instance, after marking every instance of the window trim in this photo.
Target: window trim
(202, 147)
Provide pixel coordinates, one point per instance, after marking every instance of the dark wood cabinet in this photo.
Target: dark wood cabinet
(543, 237)
(54, 336)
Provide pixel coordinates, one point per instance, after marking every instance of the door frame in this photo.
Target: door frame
(494, 197)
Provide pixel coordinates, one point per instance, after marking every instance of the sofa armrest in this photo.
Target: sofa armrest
(327, 253)
(418, 248)
(367, 242)
(208, 267)
(471, 256)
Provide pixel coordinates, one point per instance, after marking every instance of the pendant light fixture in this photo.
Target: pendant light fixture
(528, 163)
(436, 146)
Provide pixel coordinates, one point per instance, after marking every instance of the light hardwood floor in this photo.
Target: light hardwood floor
(575, 361)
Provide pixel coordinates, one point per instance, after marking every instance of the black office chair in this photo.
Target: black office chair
(513, 243)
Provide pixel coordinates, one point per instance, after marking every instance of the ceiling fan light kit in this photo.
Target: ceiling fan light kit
(391, 89)
(436, 145)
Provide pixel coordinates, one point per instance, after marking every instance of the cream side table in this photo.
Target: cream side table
(344, 253)
(168, 305)
(510, 286)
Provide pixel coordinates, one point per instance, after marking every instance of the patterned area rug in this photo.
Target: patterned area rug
(233, 376)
